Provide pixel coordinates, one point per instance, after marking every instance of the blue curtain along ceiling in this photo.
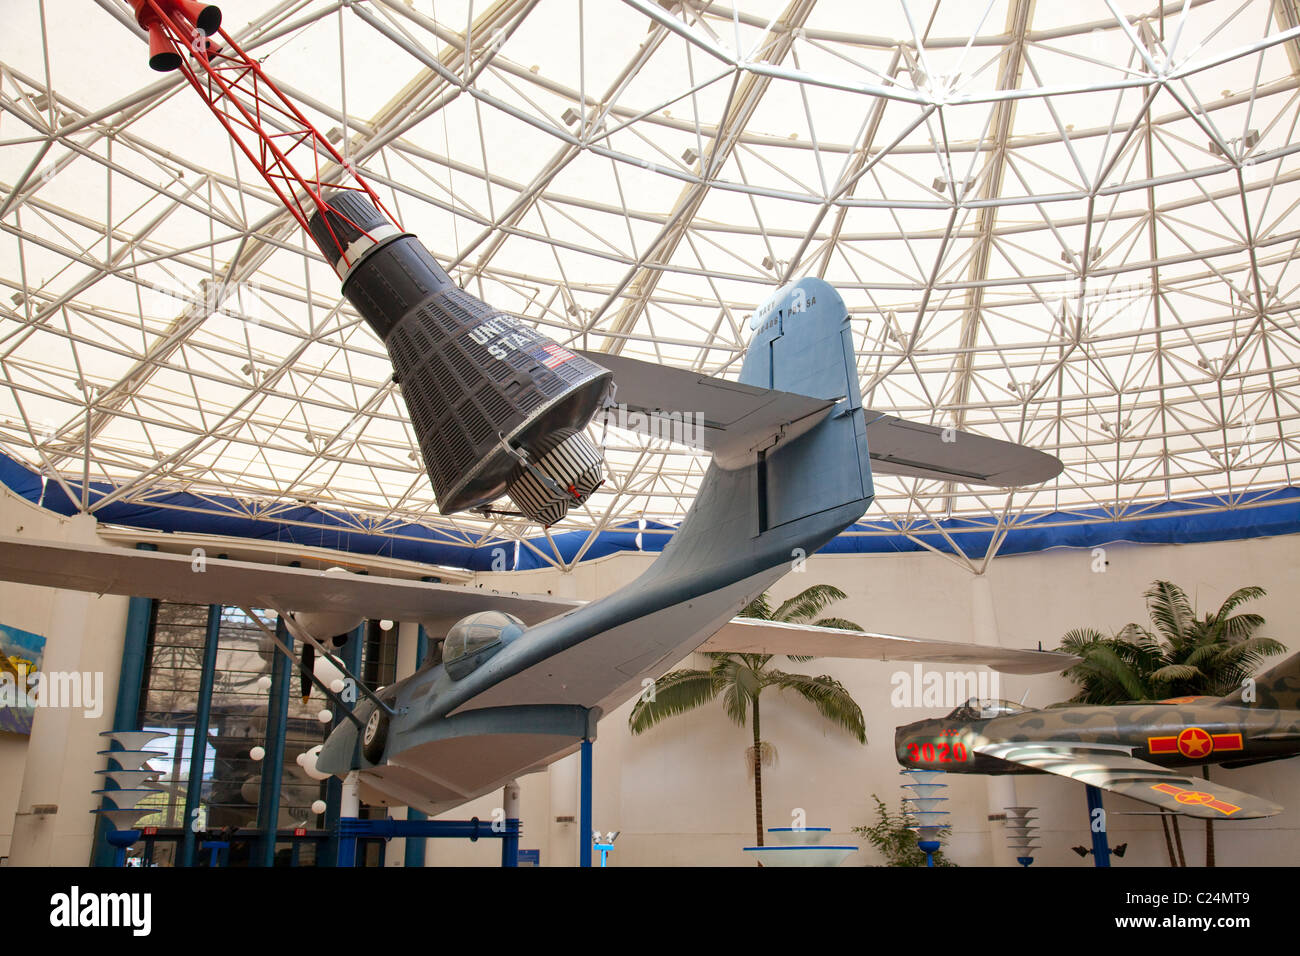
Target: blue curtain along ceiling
(1253, 515)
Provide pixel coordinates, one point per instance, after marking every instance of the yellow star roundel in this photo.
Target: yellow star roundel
(1194, 743)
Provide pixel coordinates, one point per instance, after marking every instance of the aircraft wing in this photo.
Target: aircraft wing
(747, 636)
(739, 419)
(1113, 768)
(173, 577)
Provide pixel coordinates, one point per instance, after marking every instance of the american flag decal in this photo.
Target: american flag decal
(552, 355)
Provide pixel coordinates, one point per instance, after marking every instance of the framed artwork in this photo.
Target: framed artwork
(20, 657)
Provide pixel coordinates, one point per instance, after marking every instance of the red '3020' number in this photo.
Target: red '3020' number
(941, 752)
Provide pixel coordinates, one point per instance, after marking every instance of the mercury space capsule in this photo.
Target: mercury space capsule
(498, 408)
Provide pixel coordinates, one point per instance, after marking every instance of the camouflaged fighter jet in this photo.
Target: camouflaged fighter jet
(1139, 750)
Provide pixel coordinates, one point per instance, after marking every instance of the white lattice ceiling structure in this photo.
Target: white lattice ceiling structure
(1070, 225)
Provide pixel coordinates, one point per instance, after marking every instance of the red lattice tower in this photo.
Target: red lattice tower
(262, 121)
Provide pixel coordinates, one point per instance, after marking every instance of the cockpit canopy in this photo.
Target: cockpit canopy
(977, 709)
(473, 639)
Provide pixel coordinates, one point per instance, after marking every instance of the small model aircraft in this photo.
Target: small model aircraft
(1139, 750)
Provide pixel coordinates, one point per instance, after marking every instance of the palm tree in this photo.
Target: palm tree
(741, 678)
(1186, 655)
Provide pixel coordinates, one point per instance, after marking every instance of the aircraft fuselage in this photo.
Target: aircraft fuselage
(1200, 731)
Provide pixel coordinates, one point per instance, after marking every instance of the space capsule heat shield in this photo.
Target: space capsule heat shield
(497, 407)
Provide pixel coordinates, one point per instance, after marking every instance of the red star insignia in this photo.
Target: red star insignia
(1195, 742)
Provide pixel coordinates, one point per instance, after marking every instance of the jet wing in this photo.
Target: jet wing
(1113, 768)
(737, 420)
(747, 636)
(174, 577)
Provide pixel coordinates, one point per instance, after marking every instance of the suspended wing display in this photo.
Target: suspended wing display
(174, 577)
(749, 636)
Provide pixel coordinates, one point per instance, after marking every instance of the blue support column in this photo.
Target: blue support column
(199, 745)
(510, 847)
(1100, 844)
(584, 807)
(126, 711)
(347, 851)
(277, 714)
(351, 657)
(415, 846)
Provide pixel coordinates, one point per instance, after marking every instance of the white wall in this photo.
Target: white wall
(681, 794)
(57, 764)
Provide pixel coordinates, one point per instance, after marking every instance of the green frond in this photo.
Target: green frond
(1079, 639)
(829, 696)
(674, 693)
(1170, 611)
(1111, 678)
(1176, 672)
(735, 703)
(759, 609)
(1238, 598)
(1240, 626)
(839, 623)
(808, 603)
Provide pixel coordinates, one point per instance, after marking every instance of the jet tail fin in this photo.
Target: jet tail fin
(803, 344)
(1278, 687)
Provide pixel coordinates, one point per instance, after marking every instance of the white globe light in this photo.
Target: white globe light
(257, 753)
(385, 625)
(337, 686)
(325, 716)
(308, 761)
(264, 683)
(318, 807)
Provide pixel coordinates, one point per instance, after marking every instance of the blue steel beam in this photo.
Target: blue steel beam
(584, 807)
(1097, 825)
(126, 712)
(277, 715)
(199, 744)
(351, 658)
(415, 847)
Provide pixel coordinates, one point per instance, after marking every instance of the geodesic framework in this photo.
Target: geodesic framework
(1066, 225)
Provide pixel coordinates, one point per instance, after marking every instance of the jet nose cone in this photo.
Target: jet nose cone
(900, 742)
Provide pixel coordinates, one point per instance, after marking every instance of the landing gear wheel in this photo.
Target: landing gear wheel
(375, 736)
